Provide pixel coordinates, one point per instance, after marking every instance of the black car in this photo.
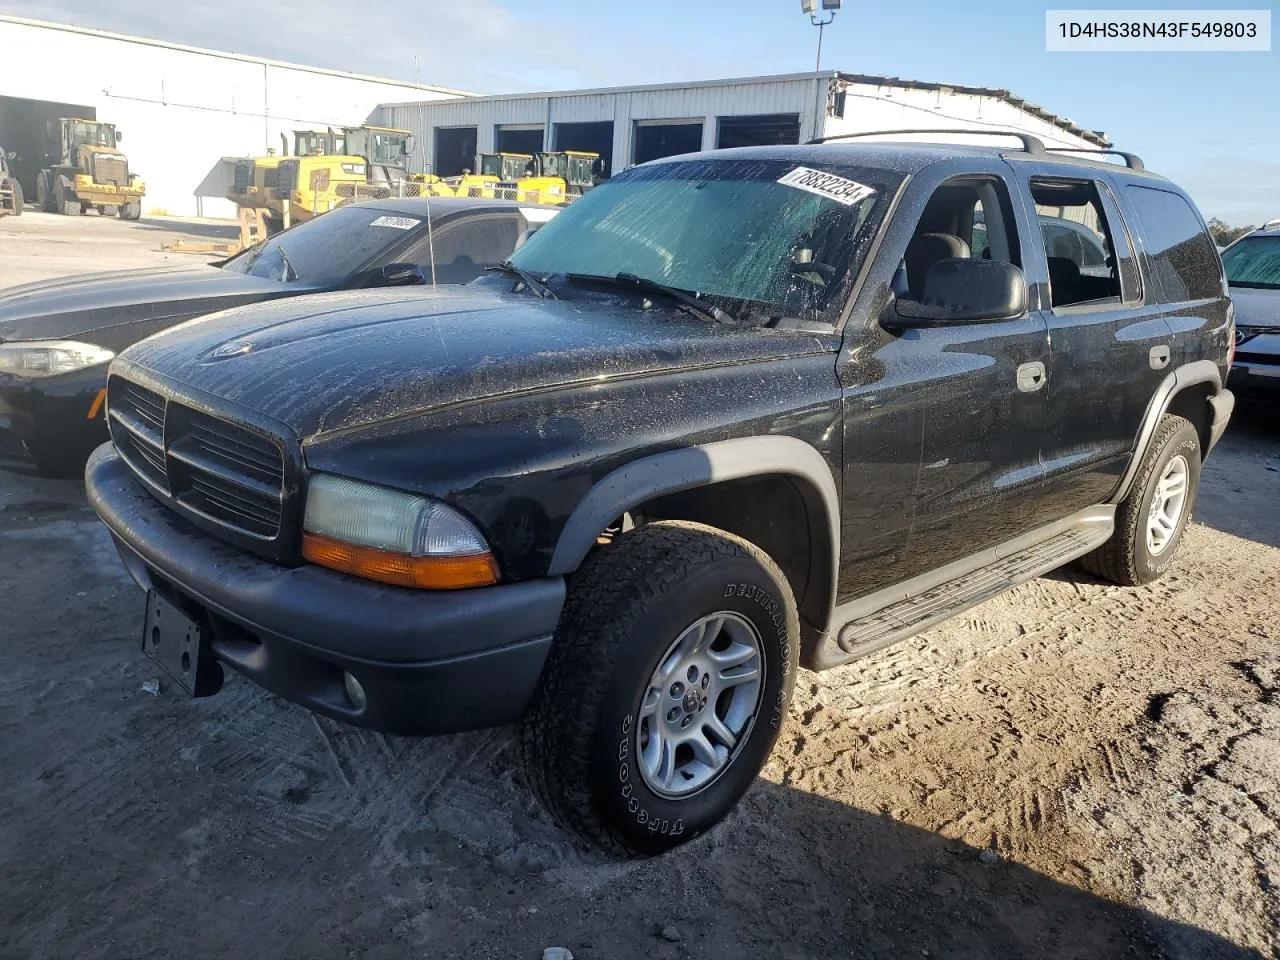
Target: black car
(729, 413)
(57, 336)
(1253, 273)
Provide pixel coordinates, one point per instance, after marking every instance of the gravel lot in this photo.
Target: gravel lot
(1072, 770)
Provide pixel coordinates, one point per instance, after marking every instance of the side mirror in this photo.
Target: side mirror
(119, 136)
(960, 290)
(409, 144)
(399, 275)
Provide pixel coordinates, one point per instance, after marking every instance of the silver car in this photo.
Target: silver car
(1253, 273)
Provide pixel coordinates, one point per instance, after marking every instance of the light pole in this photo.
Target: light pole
(811, 8)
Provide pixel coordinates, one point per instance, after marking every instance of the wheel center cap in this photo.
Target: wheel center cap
(694, 700)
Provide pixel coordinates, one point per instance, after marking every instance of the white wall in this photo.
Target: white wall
(181, 110)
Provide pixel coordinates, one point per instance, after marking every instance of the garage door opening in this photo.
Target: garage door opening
(525, 139)
(763, 130)
(455, 151)
(655, 139)
(589, 138)
(24, 129)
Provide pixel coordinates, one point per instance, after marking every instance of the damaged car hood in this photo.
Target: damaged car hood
(102, 307)
(345, 360)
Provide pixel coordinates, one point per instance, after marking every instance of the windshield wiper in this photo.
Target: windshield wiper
(688, 299)
(287, 265)
(539, 287)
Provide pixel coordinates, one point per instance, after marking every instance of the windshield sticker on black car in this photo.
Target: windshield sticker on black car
(839, 189)
(398, 223)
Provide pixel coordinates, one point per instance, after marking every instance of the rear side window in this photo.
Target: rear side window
(1080, 244)
(1183, 258)
(465, 247)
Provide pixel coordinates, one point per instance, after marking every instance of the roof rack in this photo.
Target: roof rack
(1029, 143)
(1131, 160)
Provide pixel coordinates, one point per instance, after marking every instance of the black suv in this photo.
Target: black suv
(729, 413)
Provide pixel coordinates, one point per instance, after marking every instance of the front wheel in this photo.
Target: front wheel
(667, 683)
(131, 211)
(1151, 519)
(44, 193)
(64, 199)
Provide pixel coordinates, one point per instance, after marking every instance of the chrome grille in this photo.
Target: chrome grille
(223, 471)
(110, 169)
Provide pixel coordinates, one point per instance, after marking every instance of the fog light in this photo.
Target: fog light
(355, 692)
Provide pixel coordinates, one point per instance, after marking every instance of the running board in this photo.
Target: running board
(887, 616)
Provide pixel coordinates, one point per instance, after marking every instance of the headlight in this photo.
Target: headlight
(48, 358)
(392, 537)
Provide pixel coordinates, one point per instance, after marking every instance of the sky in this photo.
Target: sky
(1209, 121)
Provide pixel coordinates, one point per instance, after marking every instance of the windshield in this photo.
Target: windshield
(1254, 262)
(94, 134)
(776, 236)
(388, 149)
(307, 143)
(327, 249)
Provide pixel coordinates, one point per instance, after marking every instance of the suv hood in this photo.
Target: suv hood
(1256, 308)
(341, 360)
(100, 303)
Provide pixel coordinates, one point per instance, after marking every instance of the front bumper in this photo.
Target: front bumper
(428, 662)
(1255, 377)
(60, 416)
(106, 193)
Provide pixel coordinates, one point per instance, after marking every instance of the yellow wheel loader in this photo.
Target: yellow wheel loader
(11, 199)
(255, 184)
(84, 169)
(547, 178)
(361, 163)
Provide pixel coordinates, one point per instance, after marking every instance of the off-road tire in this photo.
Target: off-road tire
(69, 207)
(18, 200)
(44, 192)
(130, 211)
(625, 607)
(1125, 559)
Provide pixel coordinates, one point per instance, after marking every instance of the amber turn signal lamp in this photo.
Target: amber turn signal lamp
(400, 570)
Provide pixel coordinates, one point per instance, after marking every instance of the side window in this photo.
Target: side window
(1184, 260)
(466, 246)
(967, 218)
(1078, 242)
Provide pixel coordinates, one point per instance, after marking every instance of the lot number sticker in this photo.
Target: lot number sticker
(397, 223)
(848, 192)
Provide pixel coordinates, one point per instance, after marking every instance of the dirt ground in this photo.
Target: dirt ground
(36, 246)
(1072, 770)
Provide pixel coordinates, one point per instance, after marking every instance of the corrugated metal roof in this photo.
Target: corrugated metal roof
(995, 93)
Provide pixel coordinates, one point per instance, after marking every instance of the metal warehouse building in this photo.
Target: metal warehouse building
(631, 125)
(181, 109)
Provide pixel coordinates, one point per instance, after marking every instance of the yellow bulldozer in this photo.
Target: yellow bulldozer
(85, 169)
(255, 184)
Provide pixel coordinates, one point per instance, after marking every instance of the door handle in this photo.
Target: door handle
(1031, 376)
(1158, 357)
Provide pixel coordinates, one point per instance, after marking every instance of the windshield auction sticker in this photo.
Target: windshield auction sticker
(1158, 30)
(848, 192)
(397, 223)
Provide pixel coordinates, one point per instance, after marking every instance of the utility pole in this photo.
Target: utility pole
(811, 8)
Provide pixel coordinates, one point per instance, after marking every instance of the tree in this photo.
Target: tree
(1224, 234)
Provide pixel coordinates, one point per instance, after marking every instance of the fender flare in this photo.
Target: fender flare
(1187, 375)
(689, 467)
